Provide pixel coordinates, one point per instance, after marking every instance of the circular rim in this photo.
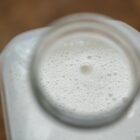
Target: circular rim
(65, 24)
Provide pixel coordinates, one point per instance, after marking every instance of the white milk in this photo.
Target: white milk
(85, 74)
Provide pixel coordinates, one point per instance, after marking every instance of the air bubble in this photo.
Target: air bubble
(101, 77)
(63, 76)
(109, 74)
(89, 57)
(86, 69)
(78, 87)
(76, 79)
(115, 73)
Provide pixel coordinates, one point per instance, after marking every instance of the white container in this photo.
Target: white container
(24, 117)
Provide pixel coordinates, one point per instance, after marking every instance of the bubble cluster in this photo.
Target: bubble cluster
(85, 76)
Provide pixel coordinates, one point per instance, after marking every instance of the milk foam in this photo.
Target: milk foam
(85, 74)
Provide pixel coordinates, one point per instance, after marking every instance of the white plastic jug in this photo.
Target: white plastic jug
(30, 114)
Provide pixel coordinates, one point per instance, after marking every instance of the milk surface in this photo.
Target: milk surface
(85, 74)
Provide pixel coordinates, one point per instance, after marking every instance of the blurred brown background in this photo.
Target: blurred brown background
(17, 16)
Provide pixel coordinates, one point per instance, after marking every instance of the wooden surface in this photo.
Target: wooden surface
(17, 16)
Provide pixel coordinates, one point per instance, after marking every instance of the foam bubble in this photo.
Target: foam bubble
(110, 95)
(86, 69)
(89, 57)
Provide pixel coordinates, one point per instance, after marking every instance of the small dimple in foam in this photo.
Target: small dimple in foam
(85, 83)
